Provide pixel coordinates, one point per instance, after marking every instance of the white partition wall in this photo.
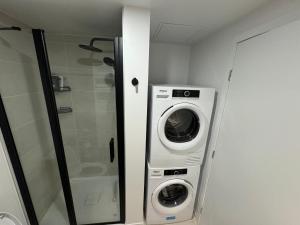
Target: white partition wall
(136, 29)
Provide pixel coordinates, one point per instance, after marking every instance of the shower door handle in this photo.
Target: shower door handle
(112, 149)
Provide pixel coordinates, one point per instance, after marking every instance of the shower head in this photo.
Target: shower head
(90, 48)
(108, 61)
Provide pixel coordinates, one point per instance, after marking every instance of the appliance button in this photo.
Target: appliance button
(186, 93)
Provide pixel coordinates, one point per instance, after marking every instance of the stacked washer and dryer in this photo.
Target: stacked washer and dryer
(178, 126)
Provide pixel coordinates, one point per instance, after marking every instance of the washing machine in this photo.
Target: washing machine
(178, 124)
(170, 194)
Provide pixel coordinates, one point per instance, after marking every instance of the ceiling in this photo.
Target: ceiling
(174, 21)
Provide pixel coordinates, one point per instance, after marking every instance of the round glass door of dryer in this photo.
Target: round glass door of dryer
(182, 127)
(172, 196)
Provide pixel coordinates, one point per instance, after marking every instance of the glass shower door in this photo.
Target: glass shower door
(26, 130)
(87, 80)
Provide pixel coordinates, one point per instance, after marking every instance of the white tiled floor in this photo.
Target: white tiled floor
(96, 199)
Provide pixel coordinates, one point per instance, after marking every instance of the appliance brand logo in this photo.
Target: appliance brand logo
(170, 217)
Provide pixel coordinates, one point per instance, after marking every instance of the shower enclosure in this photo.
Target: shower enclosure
(62, 121)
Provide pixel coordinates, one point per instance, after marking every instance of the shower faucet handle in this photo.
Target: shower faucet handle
(135, 83)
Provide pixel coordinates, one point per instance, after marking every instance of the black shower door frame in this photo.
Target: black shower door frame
(45, 73)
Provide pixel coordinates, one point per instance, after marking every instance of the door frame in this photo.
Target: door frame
(118, 53)
(45, 73)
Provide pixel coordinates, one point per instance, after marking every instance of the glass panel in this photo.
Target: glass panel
(182, 126)
(23, 98)
(83, 79)
(173, 195)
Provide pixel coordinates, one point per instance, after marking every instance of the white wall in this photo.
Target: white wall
(169, 63)
(211, 61)
(136, 31)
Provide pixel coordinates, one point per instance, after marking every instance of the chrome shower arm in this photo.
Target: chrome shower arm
(99, 39)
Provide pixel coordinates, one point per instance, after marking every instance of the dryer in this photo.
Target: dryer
(170, 194)
(178, 125)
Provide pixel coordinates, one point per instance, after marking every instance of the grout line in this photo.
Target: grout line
(28, 122)
(23, 94)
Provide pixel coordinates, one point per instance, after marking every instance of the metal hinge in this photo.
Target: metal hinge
(213, 154)
(229, 76)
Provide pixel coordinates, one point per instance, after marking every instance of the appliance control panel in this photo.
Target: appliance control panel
(185, 93)
(175, 172)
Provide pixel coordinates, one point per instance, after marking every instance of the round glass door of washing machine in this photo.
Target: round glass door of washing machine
(172, 196)
(182, 127)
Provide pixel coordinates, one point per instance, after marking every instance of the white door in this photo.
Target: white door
(256, 173)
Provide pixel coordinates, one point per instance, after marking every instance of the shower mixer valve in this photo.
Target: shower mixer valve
(135, 83)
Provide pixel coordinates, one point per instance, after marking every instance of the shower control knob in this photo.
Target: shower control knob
(186, 94)
(135, 82)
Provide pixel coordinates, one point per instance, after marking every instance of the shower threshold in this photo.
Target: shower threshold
(96, 200)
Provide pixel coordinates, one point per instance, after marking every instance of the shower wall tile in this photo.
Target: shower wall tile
(19, 78)
(92, 99)
(17, 48)
(104, 80)
(84, 101)
(63, 99)
(57, 54)
(33, 159)
(27, 137)
(81, 82)
(74, 70)
(105, 101)
(86, 120)
(103, 68)
(42, 188)
(25, 108)
(67, 121)
(59, 70)
(69, 137)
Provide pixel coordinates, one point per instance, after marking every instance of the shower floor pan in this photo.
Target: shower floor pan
(96, 200)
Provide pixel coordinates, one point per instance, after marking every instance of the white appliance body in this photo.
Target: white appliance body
(178, 125)
(170, 195)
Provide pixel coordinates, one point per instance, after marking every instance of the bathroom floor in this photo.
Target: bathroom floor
(89, 195)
